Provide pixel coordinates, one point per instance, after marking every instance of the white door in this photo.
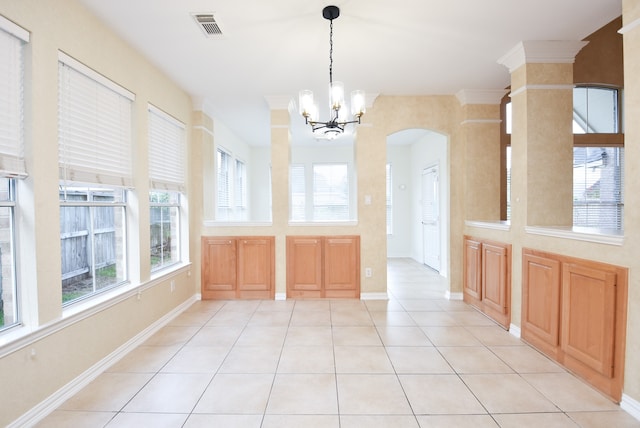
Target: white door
(431, 217)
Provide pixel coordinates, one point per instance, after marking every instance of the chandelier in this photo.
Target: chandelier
(337, 106)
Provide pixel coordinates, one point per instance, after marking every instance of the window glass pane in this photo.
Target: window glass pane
(595, 110)
(598, 174)
(92, 241)
(8, 286)
(508, 182)
(330, 192)
(298, 194)
(223, 166)
(165, 228)
(508, 117)
(240, 191)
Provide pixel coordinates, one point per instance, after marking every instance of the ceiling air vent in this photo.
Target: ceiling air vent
(207, 23)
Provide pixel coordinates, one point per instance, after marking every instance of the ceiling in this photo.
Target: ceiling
(271, 49)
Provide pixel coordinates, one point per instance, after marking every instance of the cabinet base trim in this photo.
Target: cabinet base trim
(281, 296)
(515, 330)
(453, 296)
(630, 406)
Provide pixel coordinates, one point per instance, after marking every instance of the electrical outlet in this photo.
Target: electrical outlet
(368, 272)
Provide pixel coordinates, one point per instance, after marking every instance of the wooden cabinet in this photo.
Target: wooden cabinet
(574, 310)
(487, 278)
(238, 267)
(323, 266)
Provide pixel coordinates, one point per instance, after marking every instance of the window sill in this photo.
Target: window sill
(21, 336)
(323, 223)
(216, 223)
(495, 225)
(587, 234)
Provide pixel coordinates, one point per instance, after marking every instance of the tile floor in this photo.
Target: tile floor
(416, 361)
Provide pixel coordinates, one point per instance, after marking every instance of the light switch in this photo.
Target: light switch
(367, 199)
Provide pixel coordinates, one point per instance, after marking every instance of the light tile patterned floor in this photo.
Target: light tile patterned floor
(415, 361)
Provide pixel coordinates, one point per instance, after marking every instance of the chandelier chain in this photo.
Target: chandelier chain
(331, 53)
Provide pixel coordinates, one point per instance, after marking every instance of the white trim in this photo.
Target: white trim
(514, 330)
(202, 128)
(166, 116)
(92, 74)
(279, 102)
(481, 121)
(14, 29)
(542, 52)
(281, 296)
(630, 406)
(453, 296)
(48, 405)
(578, 234)
(542, 87)
(629, 27)
(374, 296)
(221, 223)
(322, 223)
(495, 225)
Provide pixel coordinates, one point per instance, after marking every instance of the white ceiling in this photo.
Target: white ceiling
(274, 48)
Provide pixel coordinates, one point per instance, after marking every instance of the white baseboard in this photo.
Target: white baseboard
(630, 406)
(453, 296)
(281, 296)
(374, 296)
(40, 411)
(514, 330)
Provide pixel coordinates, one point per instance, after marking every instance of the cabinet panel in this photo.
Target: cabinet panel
(588, 316)
(342, 266)
(541, 302)
(219, 265)
(304, 266)
(472, 272)
(494, 278)
(235, 267)
(255, 267)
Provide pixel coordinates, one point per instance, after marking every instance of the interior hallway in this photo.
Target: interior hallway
(416, 360)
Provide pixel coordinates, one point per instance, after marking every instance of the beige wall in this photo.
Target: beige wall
(77, 343)
(61, 346)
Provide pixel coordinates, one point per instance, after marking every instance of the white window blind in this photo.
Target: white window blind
(12, 40)
(94, 128)
(298, 193)
(166, 151)
(330, 192)
(223, 164)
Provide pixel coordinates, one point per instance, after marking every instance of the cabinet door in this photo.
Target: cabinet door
(255, 267)
(218, 268)
(342, 266)
(304, 266)
(472, 272)
(496, 282)
(588, 316)
(541, 302)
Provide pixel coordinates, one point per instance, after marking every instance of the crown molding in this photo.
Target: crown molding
(542, 51)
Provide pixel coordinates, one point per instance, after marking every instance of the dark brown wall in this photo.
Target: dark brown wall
(600, 62)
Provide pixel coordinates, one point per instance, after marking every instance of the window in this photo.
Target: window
(240, 190)
(94, 132)
(12, 165)
(330, 192)
(164, 222)
(298, 194)
(92, 240)
(166, 170)
(223, 166)
(389, 201)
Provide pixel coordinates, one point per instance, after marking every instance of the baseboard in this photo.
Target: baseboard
(514, 330)
(374, 296)
(281, 296)
(453, 296)
(630, 406)
(44, 408)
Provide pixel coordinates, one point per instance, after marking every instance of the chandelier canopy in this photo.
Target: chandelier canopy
(337, 106)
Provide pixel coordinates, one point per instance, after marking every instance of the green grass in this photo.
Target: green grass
(66, 297)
